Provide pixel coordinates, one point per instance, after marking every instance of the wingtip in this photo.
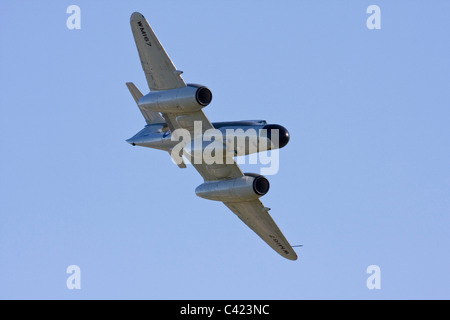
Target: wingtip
(292, 257)
(136, 15)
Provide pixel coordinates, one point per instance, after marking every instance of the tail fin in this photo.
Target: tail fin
(150, 116)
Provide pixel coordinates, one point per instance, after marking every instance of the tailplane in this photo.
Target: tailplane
(150, 116)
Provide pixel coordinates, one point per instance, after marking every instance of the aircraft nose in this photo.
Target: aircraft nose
(283, 134)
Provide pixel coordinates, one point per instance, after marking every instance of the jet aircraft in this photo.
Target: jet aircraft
(174, 108)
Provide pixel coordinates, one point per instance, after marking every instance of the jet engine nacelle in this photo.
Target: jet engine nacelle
(191, 98)
(249, 187)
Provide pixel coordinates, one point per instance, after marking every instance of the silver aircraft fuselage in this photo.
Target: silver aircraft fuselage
(158, 136)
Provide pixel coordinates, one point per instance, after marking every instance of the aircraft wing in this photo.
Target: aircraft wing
(208, 172)
(159, 70)
(252, 213)
(256, 217)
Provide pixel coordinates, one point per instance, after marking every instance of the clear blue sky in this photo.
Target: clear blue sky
(365, 179)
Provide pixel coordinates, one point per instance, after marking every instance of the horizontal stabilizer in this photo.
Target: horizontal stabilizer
(150, 116)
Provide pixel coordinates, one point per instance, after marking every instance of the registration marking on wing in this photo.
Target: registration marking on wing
(144, 34)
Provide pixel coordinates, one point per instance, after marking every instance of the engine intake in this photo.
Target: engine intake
(191, 98)
(261, 185)
(246, 188)
(203, 96)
